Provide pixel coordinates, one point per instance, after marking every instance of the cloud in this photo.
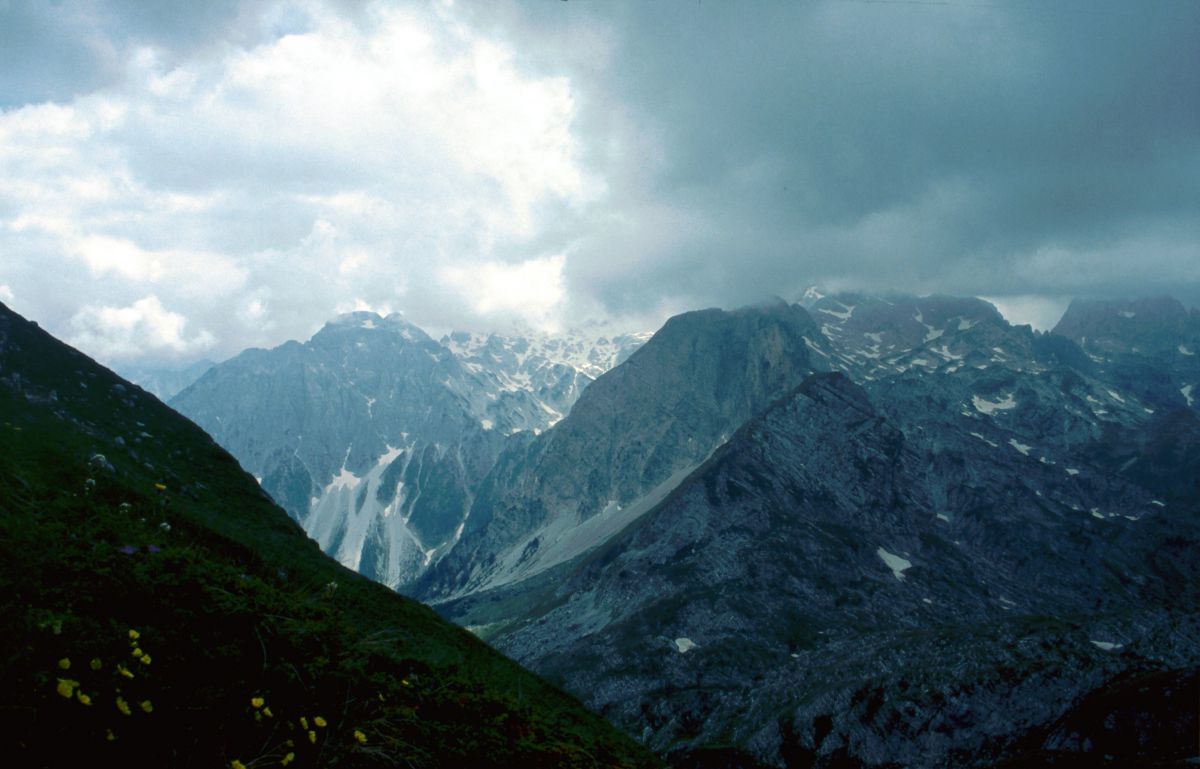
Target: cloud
(329, 153)
(259, 165)
(6, 294)
(530, 290)
(1040, 312)
(141, 330)
(922, 147)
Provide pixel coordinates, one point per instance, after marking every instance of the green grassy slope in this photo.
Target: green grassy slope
(160, 610)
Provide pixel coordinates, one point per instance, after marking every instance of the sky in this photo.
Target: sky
(185, 180)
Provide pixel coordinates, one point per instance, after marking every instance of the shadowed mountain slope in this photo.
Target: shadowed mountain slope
(160, 610)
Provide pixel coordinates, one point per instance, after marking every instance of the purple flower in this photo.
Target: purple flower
(128, 550)
(153, 549)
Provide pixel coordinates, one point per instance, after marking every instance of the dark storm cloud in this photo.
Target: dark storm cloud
(951, 146)
(636, 158)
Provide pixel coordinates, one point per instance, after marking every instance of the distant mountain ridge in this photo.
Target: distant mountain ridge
(985, 462)
(163, 382)
(160, 610)
(374, 436)
(751, 539)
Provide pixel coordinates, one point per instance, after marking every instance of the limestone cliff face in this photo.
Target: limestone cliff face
(628, 440)
(375, 437)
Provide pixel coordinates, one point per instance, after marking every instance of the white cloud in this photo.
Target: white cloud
(6, 294)
(258, 189)
(144, 328)
(531, 289)
(1043, 313)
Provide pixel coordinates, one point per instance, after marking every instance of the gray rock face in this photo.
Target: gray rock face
(632, 435)
(1150, 346)
(164, 383)
(374, 436)
(931, 569)
(829, 584)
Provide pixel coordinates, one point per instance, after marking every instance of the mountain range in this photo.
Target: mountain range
(854, 530)
(161, 610)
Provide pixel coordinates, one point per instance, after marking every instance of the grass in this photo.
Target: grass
(160, 610)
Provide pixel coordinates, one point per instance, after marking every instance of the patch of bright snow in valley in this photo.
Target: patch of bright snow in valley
(487, 424)
(964, 324)
(985, 440)
(842, 315)
(1072, 471)
(684, 644)
(1127, 314)
(1021, 447)
(1156, 502)
(1186, 392)
(344, 479)
(987, 407)
(1185, 351)
(894, 562)
(1106, 645)
(944, 351)
(1115, 396)
(943, 517)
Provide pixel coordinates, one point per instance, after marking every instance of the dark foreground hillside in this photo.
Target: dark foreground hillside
(160, 610)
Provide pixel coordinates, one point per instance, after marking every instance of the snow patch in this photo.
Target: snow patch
(1021, 447)
(682, 644)
(1127, 314)
(840, 315)
(985, 406)
(1106, 645)
(966, 325)
(1185, 351)
(1072, 471)
(894, 562)
(344, 480)
(1186, 392)
(1115, 396)
(985, 440)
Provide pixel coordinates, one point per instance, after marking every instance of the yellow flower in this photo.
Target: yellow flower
(134, 635)
(96, 664)
(257, 702)
(123, 706)
(405, 682)
(66, 687)
(289, 758)
(147, 706)
(108, 735)
(267, 712)
(303, 722)
(362, 738)
(257, 715)
(64, 663)
(145, 659)
(83, 698)
(124, 671)
(235, 764)
(160, 486)
(312, 736)
(320, 722)
(136, 652)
